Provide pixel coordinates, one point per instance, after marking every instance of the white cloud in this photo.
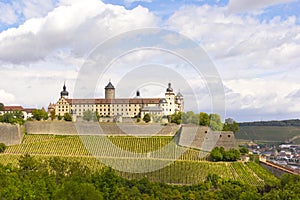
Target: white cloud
(6, 98)
(256, 59)
(243, 40)
(44, 51)
(78, 27)
(37, 8)
(236, 6)
(8, 15)
(128, 2)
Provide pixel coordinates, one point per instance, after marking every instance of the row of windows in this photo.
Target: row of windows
(109, 114)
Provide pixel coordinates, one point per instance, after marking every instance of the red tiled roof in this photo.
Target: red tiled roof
(13, 108)
(29, 110)
(114, 101)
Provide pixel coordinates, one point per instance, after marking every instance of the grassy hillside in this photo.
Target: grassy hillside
(267, 133)
(188, 169)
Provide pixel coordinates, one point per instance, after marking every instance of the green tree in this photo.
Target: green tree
(147, 118)
(204, 119)
(52, 114)
(232, 155)
(59, 117)
(215, 122)
(88, 115)
(176, 118)
(244, 150)
(8, 117)
(216, 154)
(73, 190)
(67, 117)
(40, 114)
(1, 107)
(2, 147)
(96, 116)
(190, 118)
(231, 125)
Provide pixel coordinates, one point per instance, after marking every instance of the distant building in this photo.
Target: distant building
(115, 107)
(27, 112)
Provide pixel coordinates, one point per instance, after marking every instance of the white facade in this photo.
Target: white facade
(111, 107)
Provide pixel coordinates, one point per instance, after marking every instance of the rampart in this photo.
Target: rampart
(10, 134)
(201, 137)
(94, 128)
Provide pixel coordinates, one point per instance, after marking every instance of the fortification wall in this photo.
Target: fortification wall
(10, 134)
(226, 140)
(93, 128)
(201, 137)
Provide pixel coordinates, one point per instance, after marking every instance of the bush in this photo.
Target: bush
(59, 117)
(147, 118)
(244, 150)
(67, 117)
(219, 154)
(2, 147)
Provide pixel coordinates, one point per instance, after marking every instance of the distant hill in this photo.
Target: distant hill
(269, 134)
(270, 131)
(289, 122)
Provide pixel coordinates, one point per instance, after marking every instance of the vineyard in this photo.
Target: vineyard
(174, 164)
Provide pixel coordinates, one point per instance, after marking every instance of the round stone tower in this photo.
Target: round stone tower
(109, 91)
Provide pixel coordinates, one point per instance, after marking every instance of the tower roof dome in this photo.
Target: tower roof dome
(169, 89)
(64, 93)
(109, 86)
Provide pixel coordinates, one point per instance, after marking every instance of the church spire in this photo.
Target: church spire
(64, 93)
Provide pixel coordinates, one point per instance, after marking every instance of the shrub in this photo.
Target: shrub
(147, 118)
(2, 147)
(67, 117)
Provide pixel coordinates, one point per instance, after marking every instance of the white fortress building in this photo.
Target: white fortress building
(111, 107)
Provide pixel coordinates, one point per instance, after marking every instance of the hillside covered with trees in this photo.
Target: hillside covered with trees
(290, 122)
(60, 179)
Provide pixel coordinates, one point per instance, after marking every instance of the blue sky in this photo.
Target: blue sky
(255, 46)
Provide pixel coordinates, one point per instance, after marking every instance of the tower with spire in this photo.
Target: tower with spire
(170, 98)
(64, 93)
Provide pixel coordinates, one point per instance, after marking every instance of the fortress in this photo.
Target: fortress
(116, 107)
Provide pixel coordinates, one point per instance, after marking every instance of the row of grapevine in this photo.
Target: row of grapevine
(262, 173)
(37, 138)
(154, 147)
(245, 174)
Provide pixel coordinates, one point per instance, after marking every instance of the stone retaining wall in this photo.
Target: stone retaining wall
(10, 134)
(93, 128)
(201, 137)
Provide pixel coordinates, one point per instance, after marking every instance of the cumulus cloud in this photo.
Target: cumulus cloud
(65, 28)
(36, 8)
(8, 15)
(253, 43)
(132, 1)
(6, 97)
(236, 6)
(256, 59)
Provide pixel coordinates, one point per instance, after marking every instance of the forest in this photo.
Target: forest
(60, 179)
(290, 122)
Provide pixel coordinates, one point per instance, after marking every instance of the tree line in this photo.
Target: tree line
(56, 178)
(212, 120)
(290, 122)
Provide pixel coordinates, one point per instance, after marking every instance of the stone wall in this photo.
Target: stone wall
(10, 134)
(93, 128)
(201, 137)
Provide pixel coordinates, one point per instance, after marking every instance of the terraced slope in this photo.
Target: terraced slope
(189, 168)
